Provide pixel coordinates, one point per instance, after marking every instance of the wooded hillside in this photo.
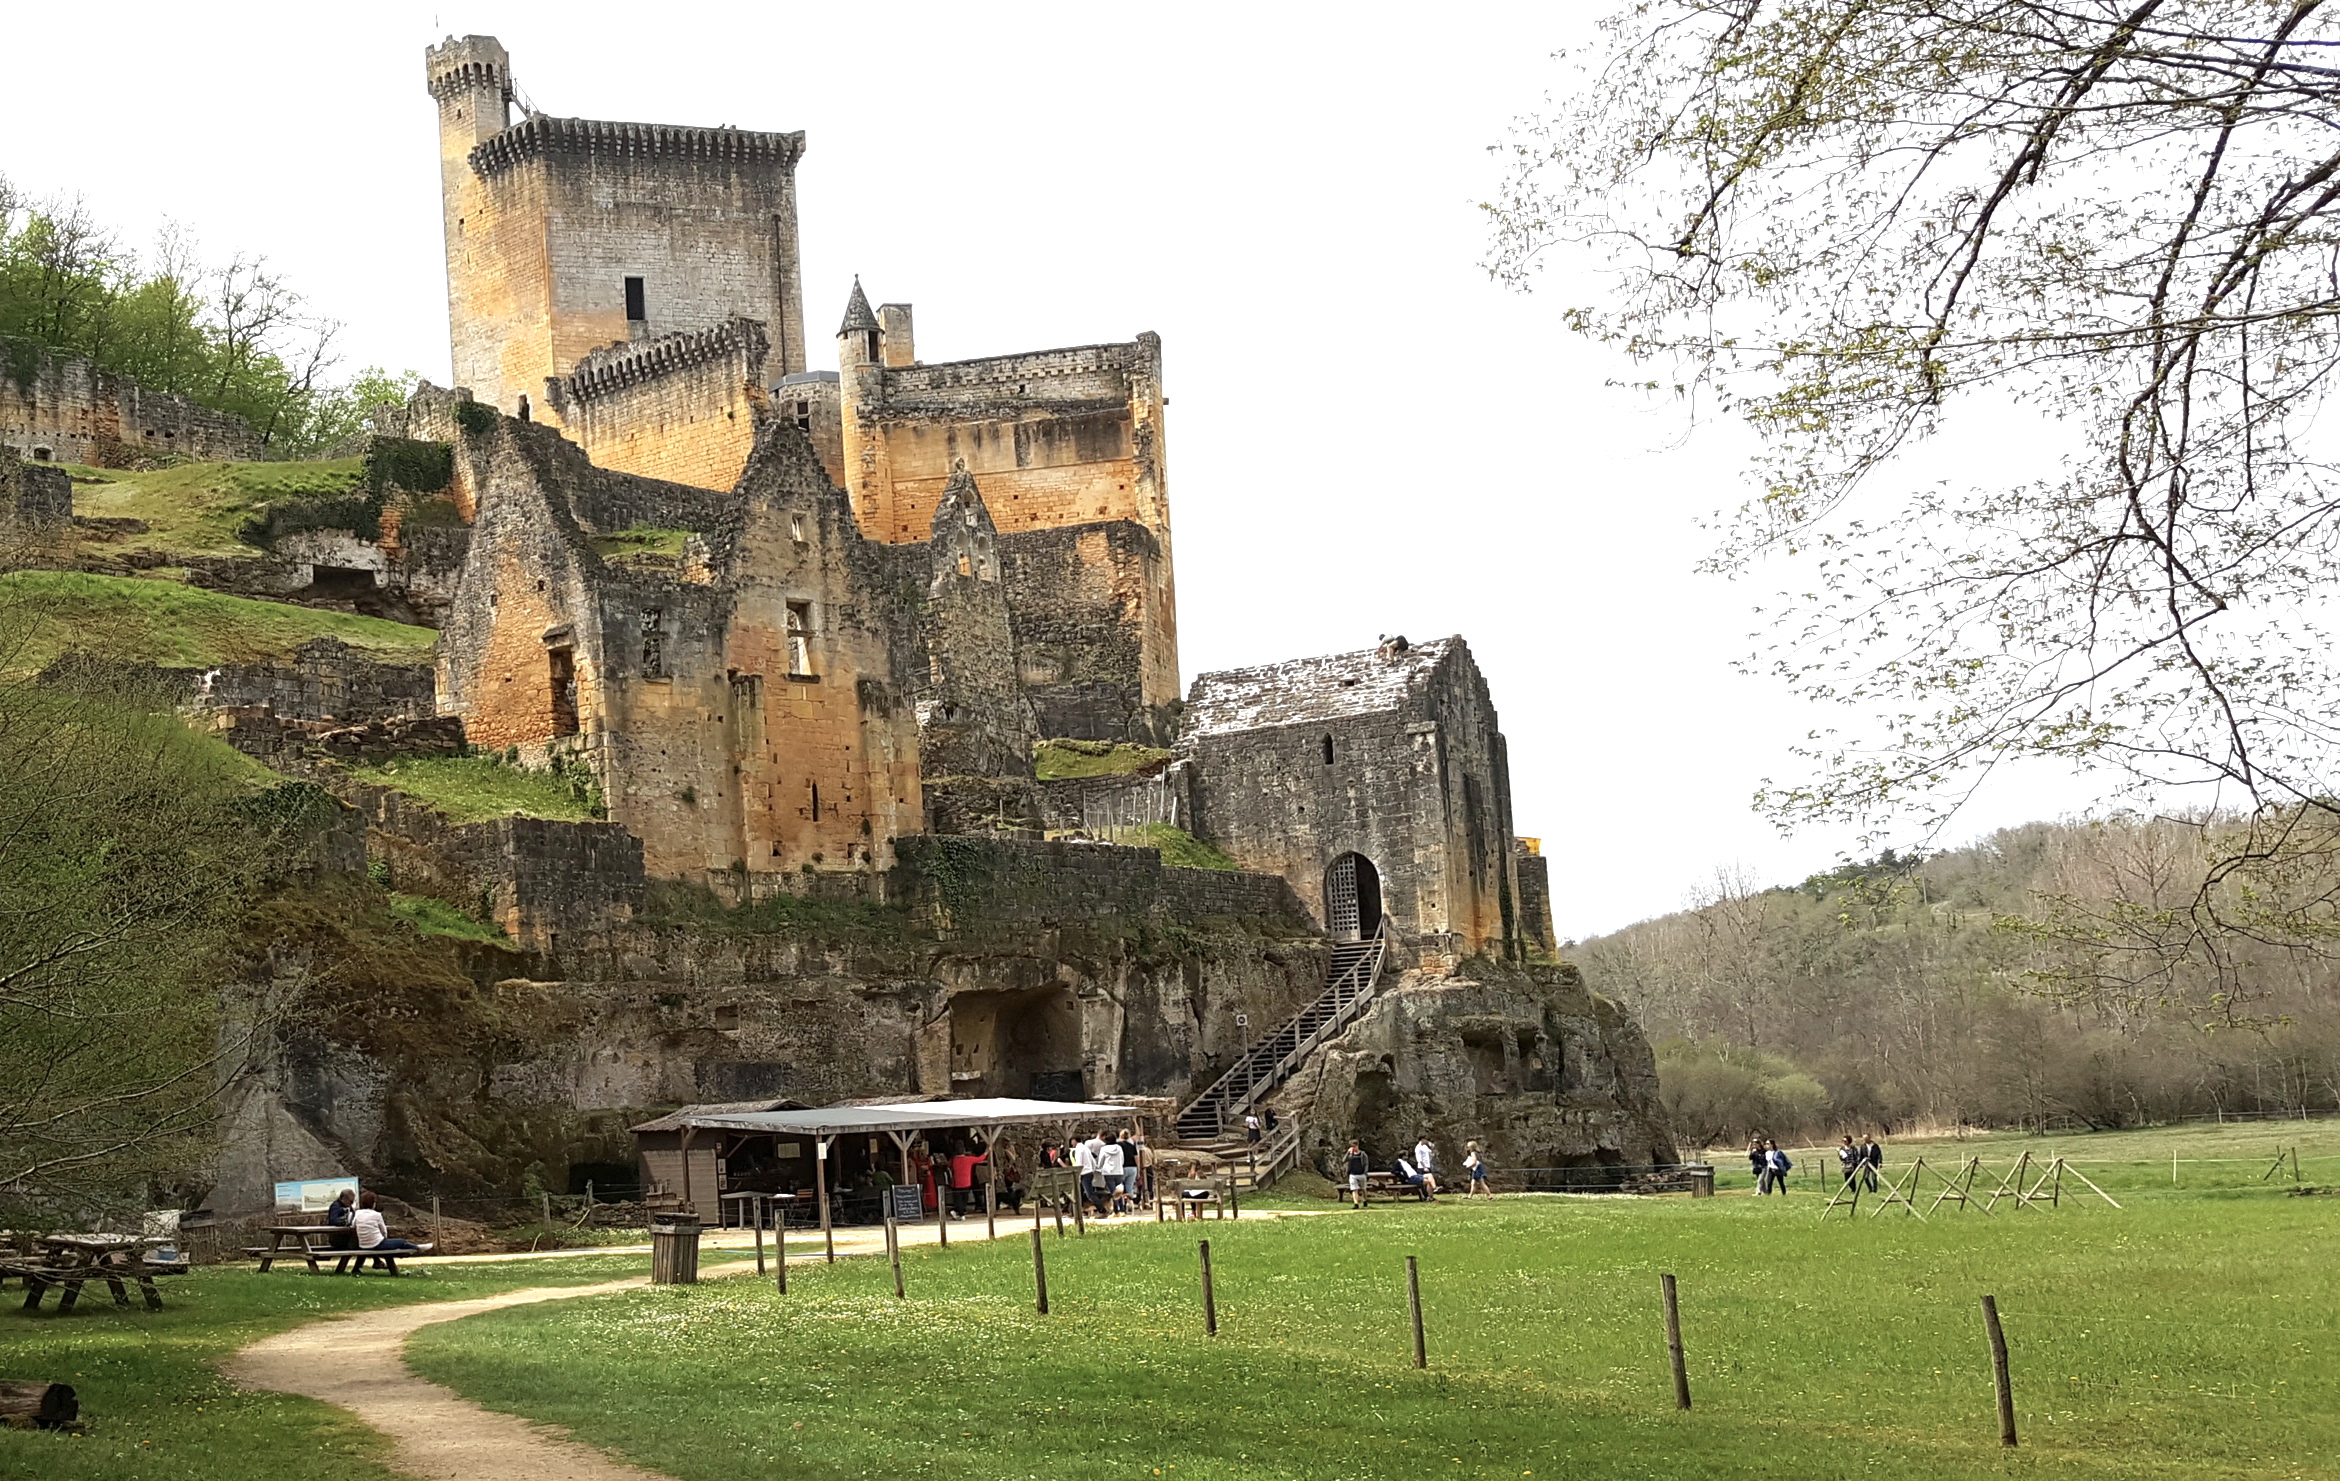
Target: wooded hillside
(2050, 974)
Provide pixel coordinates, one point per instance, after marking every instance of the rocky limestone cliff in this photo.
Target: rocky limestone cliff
(1526, 1061)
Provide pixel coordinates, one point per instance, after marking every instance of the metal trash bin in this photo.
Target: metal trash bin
(1701, 1176)
(674, 1250)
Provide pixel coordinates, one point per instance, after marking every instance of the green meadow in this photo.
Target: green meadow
(2191, 1333)
(2194, 1332)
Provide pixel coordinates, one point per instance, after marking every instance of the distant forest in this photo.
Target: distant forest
(2050, 975)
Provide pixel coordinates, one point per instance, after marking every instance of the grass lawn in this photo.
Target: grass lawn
(158, 1410)
(201, 507)
(473, 789)
(2193, 1334)
(1177, 846)
(132, 620)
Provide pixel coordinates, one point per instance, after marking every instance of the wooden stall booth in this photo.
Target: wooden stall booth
(842, 1163)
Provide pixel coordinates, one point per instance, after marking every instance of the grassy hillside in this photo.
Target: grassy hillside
(202, 508)
(473, 789)
(45, 613)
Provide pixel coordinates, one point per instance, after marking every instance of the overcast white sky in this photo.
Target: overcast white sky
(1366, 435)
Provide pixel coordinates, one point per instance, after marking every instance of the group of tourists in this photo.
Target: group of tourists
(1114, 1169)
(1418, 1174)
(1856, 1162)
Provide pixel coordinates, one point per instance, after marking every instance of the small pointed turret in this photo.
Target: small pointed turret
(859, 317)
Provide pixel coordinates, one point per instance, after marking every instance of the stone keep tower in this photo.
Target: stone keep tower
(636, 285)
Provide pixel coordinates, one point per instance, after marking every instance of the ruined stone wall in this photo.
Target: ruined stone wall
(68, 411)
(681, 408)
(973, 719)
(975, 885)
(809, 399)
(548, 218)
(1160, 794)
(1058, 437)
(325, 679)
(36, 513)
(1535, 900)
(1537, 1070)
(724, 755)
(1096, 630)
(551, 885)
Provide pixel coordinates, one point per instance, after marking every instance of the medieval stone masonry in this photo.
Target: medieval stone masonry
(804, 632)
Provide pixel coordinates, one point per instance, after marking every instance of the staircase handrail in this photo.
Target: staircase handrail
(1259, 1069)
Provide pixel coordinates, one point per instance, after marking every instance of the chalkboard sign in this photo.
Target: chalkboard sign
(909, 1207)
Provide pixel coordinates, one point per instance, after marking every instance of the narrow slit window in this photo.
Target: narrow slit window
(816, 805)
(524, 416)
(562, 663)
(637, 302)
(1328, 750)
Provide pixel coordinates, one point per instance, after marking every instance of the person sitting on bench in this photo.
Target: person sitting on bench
(373, 1233)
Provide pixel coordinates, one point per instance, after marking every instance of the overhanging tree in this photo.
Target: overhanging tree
(1853, 224)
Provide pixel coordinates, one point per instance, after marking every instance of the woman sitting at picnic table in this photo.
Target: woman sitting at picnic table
(373, 1233)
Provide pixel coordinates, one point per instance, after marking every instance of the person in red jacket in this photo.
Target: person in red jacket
(963, 1167)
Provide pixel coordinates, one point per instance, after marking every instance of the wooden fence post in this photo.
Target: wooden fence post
(544, 1202)
(780, 1245)
(438, 1235)
(759, 1220)
(1674, 1342)
(1414, 1298)
(1080, 1214)
(1039, 1274)
(1210, 1301)
(894, 1250)
(1990, 1306)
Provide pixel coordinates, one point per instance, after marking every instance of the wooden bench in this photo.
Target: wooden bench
(1390, 1185)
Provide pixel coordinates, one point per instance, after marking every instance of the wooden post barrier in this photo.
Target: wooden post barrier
(2006, 1386)
(821, 1191)
(1210, 1301)
(1414, 1300)
(758, 1214)
(1234, 1204)
(2099, 1192)
(1060, 1221)
(894, 1251)
(544, 1204)
(1039, 1275)
(1674, 1342)
(1080, 1214)
(438, 1236)
(942, 1213)
(780, 1246)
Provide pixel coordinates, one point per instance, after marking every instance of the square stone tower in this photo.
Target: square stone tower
(631, 252)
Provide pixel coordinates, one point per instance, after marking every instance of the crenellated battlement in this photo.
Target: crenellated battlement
(587, 138)
(616, 367)
(469, 64)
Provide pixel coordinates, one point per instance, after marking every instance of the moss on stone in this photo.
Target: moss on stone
(1064, 759)
(475, 789)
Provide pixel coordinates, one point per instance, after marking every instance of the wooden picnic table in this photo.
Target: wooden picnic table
(71, 1260)
(287, 1240)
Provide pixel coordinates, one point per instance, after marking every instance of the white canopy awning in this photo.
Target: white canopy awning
(823, 1121)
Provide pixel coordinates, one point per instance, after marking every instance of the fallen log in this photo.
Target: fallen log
(34, 1404)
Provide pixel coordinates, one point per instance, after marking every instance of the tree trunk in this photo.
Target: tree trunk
(38, 1402)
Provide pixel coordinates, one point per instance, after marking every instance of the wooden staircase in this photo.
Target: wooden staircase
(1350, 983)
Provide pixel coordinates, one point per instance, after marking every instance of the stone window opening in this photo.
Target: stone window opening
(796, 528)
(562, 665)
(524, 416)
(653, 643)
(816, 802)
(637, 302)
(966, 566)
(1328, 751)
(42, 454)
(876, 352)
(800, 639)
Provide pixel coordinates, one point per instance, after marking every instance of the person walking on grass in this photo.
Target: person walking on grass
(1779, 1165)
(1360, 1172)
(1759, 1165)
(1850, 1159)
(1476, 1165)
(1872, 1159)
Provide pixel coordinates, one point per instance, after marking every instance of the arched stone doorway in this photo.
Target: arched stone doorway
(1352, 898)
